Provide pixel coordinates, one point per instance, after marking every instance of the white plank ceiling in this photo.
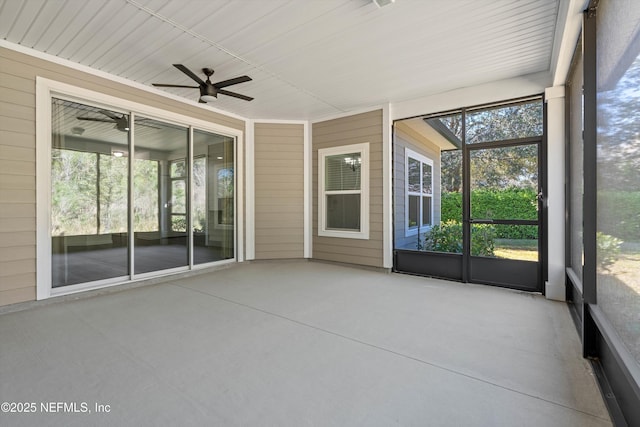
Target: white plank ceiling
(307, 58)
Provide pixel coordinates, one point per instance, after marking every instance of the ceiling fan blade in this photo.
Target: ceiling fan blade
(230, 82)
(110, 115)
(92, 119)
(166, 85)
(189, 73)
(142, 122)
(235, 95)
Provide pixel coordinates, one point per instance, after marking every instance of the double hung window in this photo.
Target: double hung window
(419, 199)
(344, 191)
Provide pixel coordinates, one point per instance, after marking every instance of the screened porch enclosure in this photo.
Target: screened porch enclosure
(113, 172)
(469, 197)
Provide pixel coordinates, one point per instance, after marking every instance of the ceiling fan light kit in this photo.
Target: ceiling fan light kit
(383, 3)
(209, 91)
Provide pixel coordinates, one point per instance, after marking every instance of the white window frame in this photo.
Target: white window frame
(47, 89)
(363, 149)
(412, 231)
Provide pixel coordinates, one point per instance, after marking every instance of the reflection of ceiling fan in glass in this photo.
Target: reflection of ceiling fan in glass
(121, 122)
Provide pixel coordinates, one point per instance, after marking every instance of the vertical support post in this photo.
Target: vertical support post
(308, 192)
(466, 203)
(590, 181)
(387, 192)
(250, 168)
(555, 193)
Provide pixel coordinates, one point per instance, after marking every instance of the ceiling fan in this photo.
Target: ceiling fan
(209, 91)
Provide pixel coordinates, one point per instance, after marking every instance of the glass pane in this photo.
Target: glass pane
(114, 170)
(504, 183)
(213, 197)
(178, 197)
(414, 211)
(147, 194)
(342, 172)
(618, 163)
(178, 169)
(179, 223)
(518, 242)
(343, 212)
(89, 170)
(413, 175)
(427, 179)
(426, 210)
(159, 242)
(505, 122)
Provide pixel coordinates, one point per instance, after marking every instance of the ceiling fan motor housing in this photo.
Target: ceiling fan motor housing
(208, 90)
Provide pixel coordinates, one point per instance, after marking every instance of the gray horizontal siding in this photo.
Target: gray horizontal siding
(279, 190)
(18, 160)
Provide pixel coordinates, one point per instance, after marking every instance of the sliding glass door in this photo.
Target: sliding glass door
(213, 227)
(160, 173)
(89, 193)
(134, 195)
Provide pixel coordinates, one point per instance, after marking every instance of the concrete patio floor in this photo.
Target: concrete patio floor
(293, 343)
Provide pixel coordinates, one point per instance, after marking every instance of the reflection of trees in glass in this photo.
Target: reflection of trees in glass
(413, 175)
(145, 184)
(225, 196)
(73, 193)
(89, 193)
(178, 196)
(225, 182)
(178, 169)
(199, 194)
(86, 186)
(113, 193)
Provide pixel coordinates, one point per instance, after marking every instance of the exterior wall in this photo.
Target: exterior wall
(400, 143)
(18, 158)
(279, 190)
(359, 128)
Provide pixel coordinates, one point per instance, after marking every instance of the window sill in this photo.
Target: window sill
(362, 235)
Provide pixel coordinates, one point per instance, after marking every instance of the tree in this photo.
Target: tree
(509, 167)
(619, 132)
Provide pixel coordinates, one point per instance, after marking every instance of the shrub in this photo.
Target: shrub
(619, 214)
(512, 203)
(608, 249)
(447, 237)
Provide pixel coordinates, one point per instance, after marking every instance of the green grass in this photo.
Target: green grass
(521, 249)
